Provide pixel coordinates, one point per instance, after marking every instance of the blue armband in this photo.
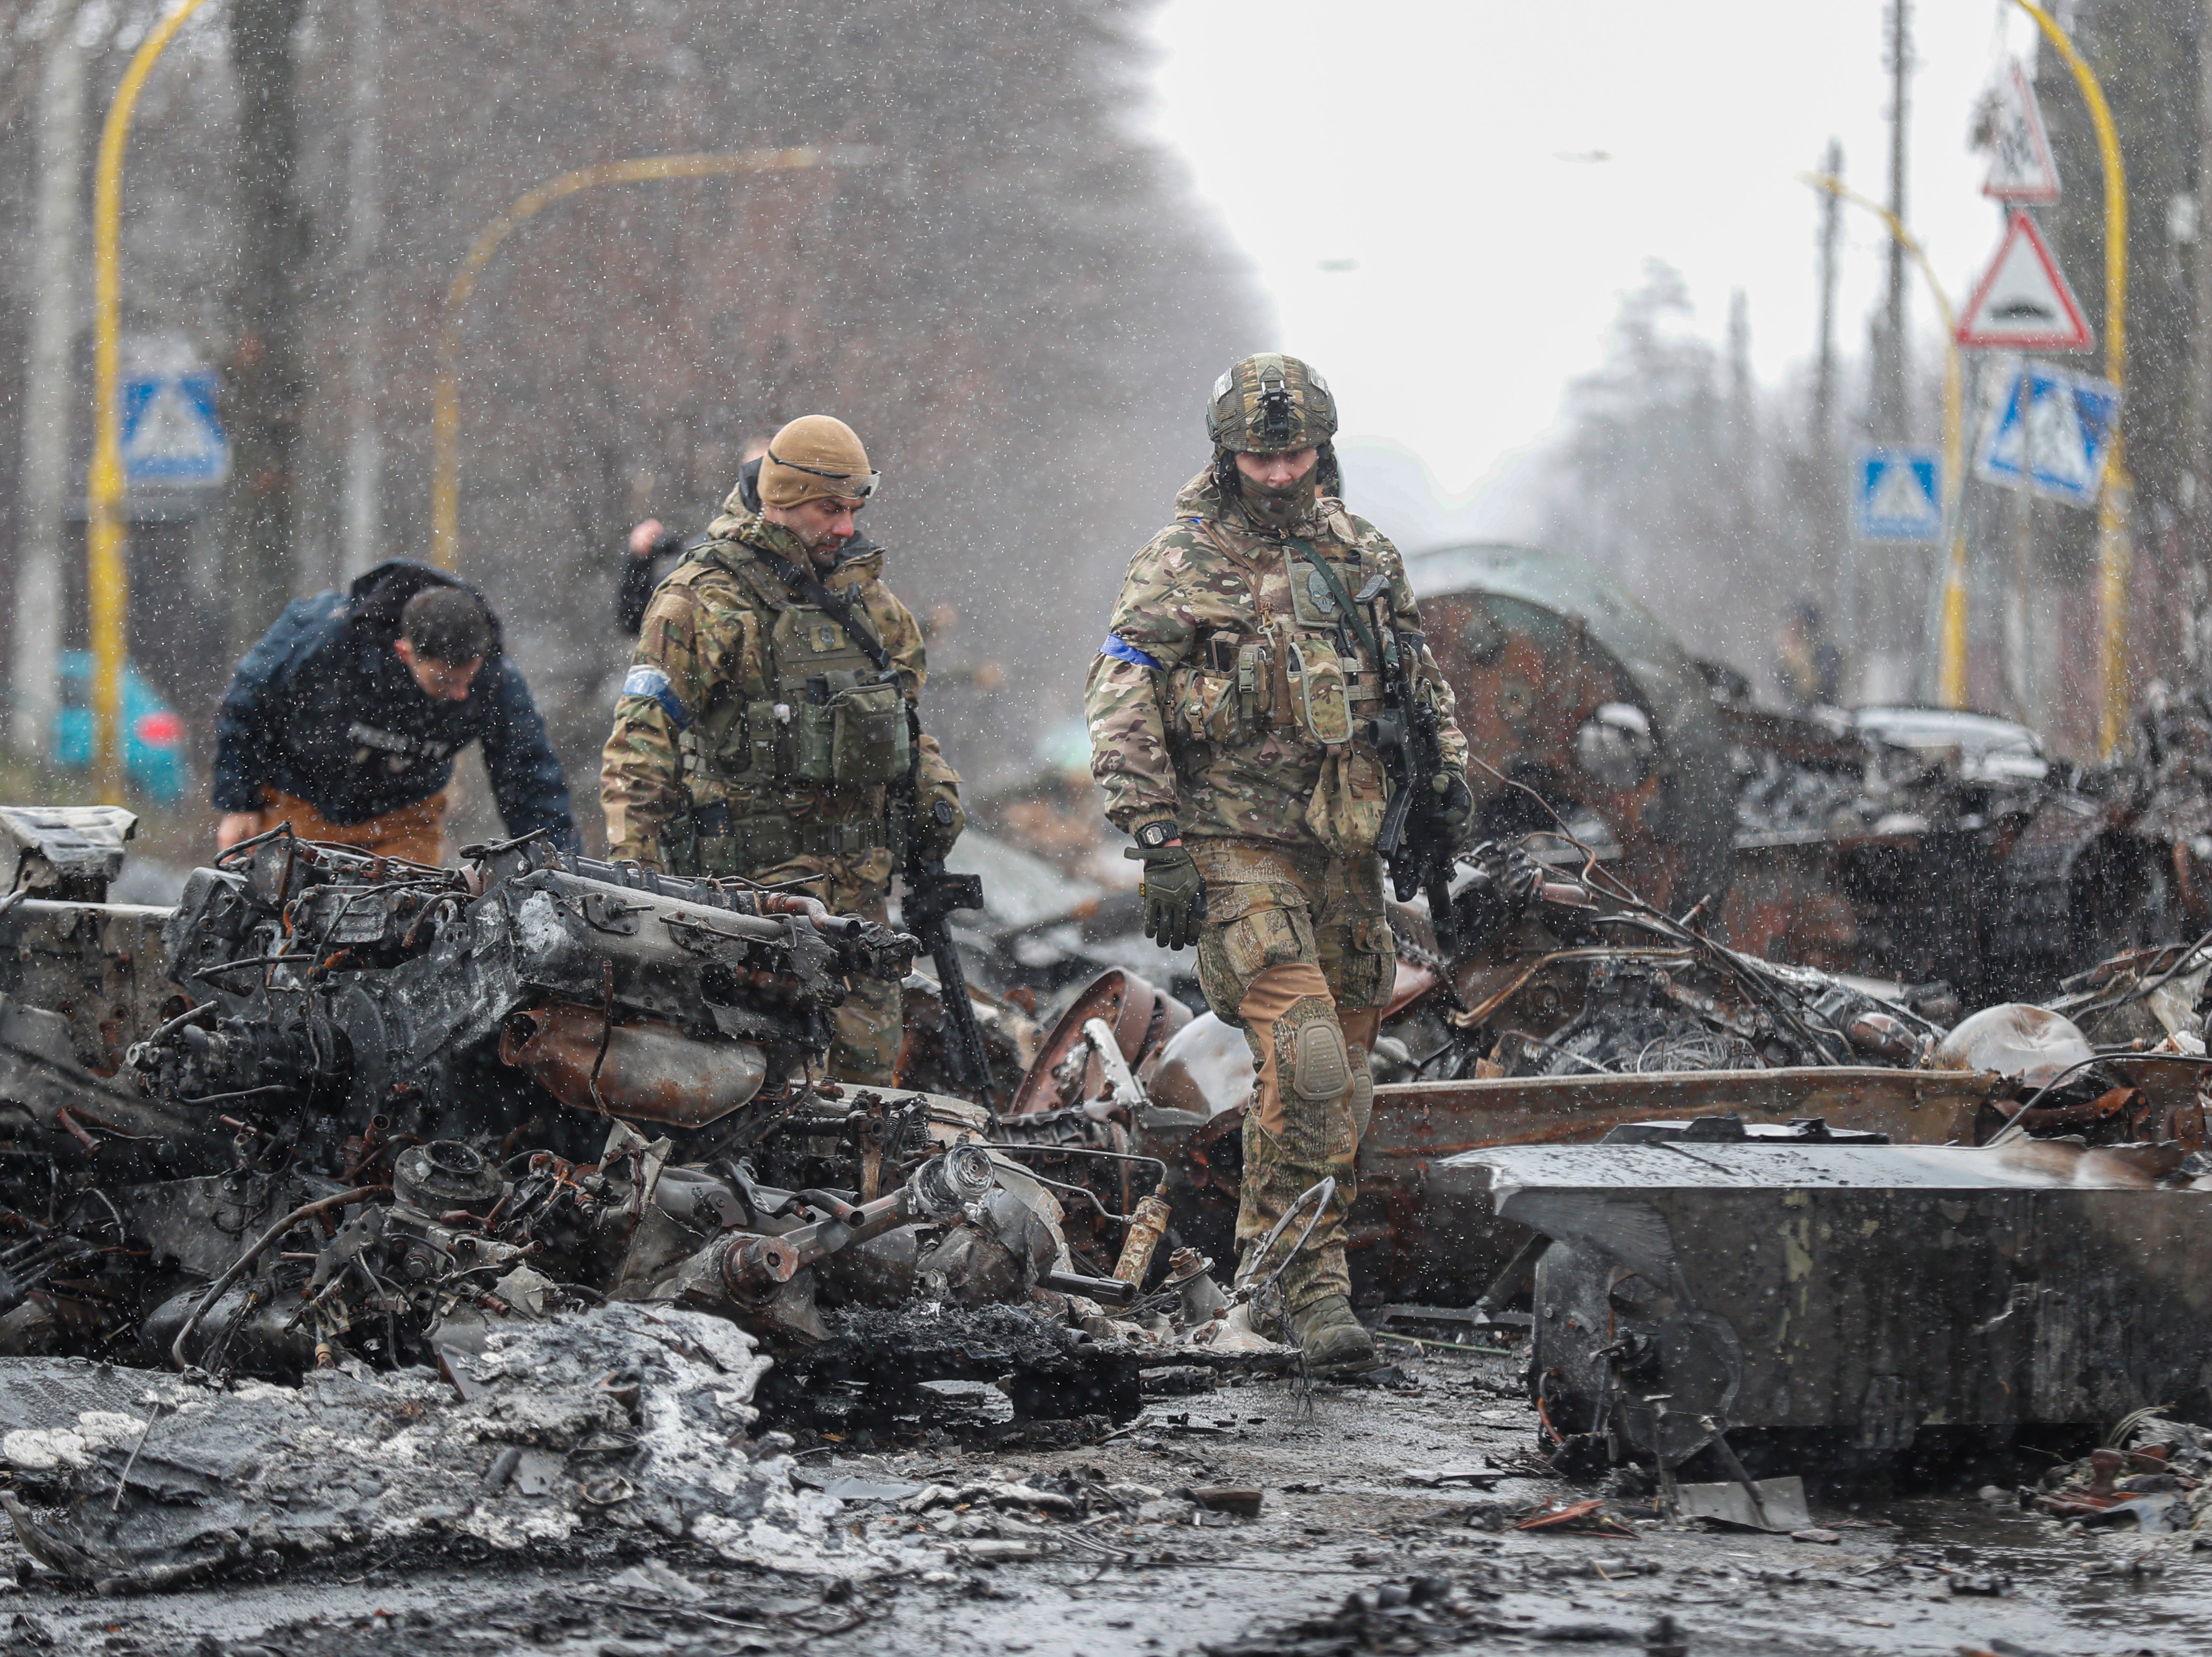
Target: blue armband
(652, 682)
(1121, 650)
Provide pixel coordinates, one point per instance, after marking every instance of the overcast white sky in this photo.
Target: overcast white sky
(1423, 140)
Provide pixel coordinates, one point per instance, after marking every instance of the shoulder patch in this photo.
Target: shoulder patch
(653, 684)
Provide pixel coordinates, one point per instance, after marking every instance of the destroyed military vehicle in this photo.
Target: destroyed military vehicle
(395, 1106)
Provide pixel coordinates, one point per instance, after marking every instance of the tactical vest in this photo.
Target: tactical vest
(827, 735)
(1303, 669)
(1298, 670)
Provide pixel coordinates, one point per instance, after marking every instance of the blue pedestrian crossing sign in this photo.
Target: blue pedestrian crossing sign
(1897, 495)
(2050, 431)
(171, 431)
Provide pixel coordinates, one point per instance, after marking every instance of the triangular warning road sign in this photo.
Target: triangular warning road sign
(2022, 303)
(2021, 167)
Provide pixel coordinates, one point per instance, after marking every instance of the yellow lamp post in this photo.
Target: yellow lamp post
(446, 416)
(1951, 654)
(107, 572)
(2113, 551)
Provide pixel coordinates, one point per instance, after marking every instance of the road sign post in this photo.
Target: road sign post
(107, 575)
(2114, 552)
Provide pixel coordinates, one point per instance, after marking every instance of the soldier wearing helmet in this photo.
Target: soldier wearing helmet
(768, 712)
(1232, 711)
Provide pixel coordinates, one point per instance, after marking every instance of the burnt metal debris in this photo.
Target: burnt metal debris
(396, 1137)
(1916, 845)
(396, 1108)
(1705, 1277)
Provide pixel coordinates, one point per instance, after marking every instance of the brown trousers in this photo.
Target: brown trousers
(414, 833)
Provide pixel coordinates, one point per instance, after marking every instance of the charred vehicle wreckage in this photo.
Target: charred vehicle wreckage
(336, 1120)
(396, 1106)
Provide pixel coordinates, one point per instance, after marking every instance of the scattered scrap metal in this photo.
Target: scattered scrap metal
(515, 1176)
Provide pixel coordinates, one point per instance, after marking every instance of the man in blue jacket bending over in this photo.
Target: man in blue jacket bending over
(344, 721)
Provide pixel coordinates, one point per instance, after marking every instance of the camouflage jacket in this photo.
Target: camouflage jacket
(705, 642)
(1211, 702)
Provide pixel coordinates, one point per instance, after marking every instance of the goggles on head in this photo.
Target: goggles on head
(858, 485)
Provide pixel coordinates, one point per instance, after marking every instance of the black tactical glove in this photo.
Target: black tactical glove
(1455, 807)
(1504, 882)
(1517, 877)
(1173, 893)
(936, 826)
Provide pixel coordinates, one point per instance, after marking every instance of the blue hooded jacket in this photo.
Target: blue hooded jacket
(323, 709)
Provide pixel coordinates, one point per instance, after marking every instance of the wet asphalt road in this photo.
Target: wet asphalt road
(1340, 1517)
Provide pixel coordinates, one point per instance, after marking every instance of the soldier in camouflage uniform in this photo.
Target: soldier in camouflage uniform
(759, 736)
(1231, 714)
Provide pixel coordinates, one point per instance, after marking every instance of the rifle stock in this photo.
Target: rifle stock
(925, 909)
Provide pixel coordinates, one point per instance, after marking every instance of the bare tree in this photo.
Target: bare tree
(263, 391)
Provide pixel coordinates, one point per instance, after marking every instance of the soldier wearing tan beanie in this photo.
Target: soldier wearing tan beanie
(757, 736)
(814, 457)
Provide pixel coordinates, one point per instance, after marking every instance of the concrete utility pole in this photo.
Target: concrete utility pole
(1834, 546)
(364, 463)
(48, 394)
(264, 383)
(1892, 406)
(1824, 370)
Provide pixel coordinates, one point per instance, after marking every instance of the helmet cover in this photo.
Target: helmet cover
(1270, 404)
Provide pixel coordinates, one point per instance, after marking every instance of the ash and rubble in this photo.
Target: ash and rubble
(428, 1145)
(495, 1210)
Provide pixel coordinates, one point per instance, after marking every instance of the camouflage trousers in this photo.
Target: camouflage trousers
(1297, 953)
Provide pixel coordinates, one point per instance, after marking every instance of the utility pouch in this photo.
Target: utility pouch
(1205, 705)
(1251, 679)
(721, 732)
(1316, 685)
(764, 745)
(849, 728)
(1349, 800)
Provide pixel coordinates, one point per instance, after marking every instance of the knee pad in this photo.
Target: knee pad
(1311, 1057)
(1363, 1089)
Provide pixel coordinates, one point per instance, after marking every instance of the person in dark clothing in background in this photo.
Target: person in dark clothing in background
(1806, 663)
(345, 719)
(652, 541)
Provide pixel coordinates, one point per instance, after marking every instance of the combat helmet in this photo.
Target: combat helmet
(1270, 404)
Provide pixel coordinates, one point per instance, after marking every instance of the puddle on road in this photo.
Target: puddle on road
(2164, 1610)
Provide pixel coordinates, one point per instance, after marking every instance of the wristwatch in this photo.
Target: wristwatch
(1153, 835)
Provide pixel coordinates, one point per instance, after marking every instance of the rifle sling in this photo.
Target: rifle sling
(809, 585)
(1337, 590)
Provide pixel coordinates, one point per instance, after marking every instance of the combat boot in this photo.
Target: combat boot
(1329, 1336)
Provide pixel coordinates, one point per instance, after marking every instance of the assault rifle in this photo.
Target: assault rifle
(1416, 842)
(925, 908)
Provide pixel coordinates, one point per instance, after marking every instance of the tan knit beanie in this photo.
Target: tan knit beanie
(800, 454)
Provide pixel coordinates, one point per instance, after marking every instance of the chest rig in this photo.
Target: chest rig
(790, 752)
(1298, 667)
